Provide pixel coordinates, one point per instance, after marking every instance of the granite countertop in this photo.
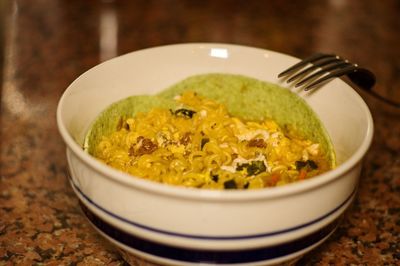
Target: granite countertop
(47, 44)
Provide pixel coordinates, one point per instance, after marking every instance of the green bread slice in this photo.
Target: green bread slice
(244, 97)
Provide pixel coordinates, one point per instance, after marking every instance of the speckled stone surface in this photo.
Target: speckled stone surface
(48, 43)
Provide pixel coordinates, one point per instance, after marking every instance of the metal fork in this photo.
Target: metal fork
(319, 68)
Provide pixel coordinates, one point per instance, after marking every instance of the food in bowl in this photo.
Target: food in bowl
(171, 225)
(214, 131)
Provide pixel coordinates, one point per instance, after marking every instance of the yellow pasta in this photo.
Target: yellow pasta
(201, 145)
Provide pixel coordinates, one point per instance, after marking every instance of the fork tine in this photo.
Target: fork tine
(333, 74)
(320, 63)
(330, 67)
(302, 63)
(339, 64)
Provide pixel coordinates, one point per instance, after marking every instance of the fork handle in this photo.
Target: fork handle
(365, 79)
(383, 99)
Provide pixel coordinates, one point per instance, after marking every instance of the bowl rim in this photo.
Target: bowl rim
(206, 194)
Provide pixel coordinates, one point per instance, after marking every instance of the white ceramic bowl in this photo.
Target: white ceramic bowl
(179, 226)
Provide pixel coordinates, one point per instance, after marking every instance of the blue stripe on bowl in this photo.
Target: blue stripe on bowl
(208, 256)
(211, 237)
